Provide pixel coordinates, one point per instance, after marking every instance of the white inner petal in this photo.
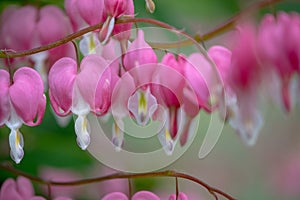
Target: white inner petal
(16, 143)
(117, 136)
(248, 127)
(82, 126)
(88, 44)
(165, 138)
(14, 121)
(82, 129)
(142, 104)
(110, 23)
(79, 105)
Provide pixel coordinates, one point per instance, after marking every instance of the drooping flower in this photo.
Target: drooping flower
(137, 56)
(21, 189)
(115, 9)
(221, 56)
(279, 50)
(21, 102)
(170, 94)
(241, 72)
(197, 95)
(88, 90)
(82, 14)
(39, 27)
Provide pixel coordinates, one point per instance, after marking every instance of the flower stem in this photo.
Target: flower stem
(199, 38)
(169, 173)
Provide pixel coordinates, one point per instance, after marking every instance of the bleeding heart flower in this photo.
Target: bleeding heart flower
(242, 78)
(139, 54)
(88, 90)
(169, 92)
(21, 101)
(84, 12)
(39, 27)
(280, 50)
(114, 10)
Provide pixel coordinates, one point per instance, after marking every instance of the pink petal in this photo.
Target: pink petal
(181, 196)
(245, 70)
(91, 10)
(222, 58)
(6, 13)
(27, 96)
(74, 15)
(186, 131)
(120, 96)
(145, 195)
(94, 83)
(9, 191)
(115, 196)
(4, 98)
(16, 39)
(164, 76)
(190, 102)
(176, 64)
(65, 50)
(61, 83)
(24, 187)
(198, 71)
(139, 53)
(111, 51)
(115, 8)
(52, 25)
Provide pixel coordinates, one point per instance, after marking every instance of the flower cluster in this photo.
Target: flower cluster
(125, 78)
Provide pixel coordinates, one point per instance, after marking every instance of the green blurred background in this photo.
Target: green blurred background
(257, 172)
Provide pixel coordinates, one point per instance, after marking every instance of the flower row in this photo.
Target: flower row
(126, 79)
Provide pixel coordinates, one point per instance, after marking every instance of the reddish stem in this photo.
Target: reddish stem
(222, 28)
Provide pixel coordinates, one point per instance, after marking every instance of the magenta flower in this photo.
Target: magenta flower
(198, 72)
(198, 92)
(21, 101)
(21, 189)
(226, 99)
(142, 103)
(81, 92)
(83, 13)
(115, 9)
(170, 94)
(39, 27)
(90, 11)
(280, 50)
(241, 78)
(136, 100)
(142, 195)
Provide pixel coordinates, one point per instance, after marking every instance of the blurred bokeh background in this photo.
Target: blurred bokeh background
(268, 170)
